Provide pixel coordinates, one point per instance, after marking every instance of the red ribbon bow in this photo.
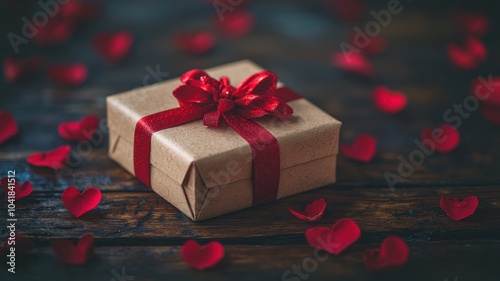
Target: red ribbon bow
(253, 98)
(202, 96)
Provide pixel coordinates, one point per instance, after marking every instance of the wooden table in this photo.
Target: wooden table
(139, 234)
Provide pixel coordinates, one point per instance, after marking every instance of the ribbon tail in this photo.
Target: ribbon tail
(144, 130)
(266, 157)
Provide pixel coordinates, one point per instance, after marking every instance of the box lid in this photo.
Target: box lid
(219, 154)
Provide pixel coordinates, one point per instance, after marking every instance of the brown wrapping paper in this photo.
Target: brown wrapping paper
(206, 172)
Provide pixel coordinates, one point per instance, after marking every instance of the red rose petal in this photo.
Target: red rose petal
(487, 90)
(113, 46)
(468, 56)
(471, 23)
(54, 159)
(202, 257)
(353, 62)
(367, 44)
(80, 203)
(8, 126)
(352, 10)
(492, 113)
(445, 140)
(363, 148)
(15, 69)
(68, 74)
(22, 190)
(23, 245)
(195, 43)
(55, 32)
(392, 254)
(79, 130)
(336, 239)
(459, 210)
(68, 253)
(235, 24)
(78, 11)
(313, 212)
(389, 101)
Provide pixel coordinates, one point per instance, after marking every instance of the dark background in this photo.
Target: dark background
(137, 230)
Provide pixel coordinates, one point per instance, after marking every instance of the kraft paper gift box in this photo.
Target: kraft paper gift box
(206, 172)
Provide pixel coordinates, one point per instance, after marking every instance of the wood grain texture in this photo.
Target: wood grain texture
(138, 231)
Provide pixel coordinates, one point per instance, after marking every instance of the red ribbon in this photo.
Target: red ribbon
(202, 96)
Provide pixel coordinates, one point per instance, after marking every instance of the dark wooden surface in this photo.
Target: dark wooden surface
(138, 231)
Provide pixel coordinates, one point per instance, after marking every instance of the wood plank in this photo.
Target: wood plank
(428, 261)
(143, 218)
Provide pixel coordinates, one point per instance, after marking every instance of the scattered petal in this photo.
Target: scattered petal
(487, 90)
(313, 212)
(80, 130)
(468, 56)
(366, 44)
(236, 23)
(195, 43)
(78, 203)
(389, 101)
(55, 159)
(78, 11)
(353, 62)
(68, 74)
(24, 245)
(55, 32)
(459, 210)
(492, 113)
(200, 257)
(113, 46)
(336, 239)
(68, 253)
(363, 148)
(392, 254)
(16, 70)
(444, 139)
(8, 126)
(352, 10)
(471, 23)
(21, 191)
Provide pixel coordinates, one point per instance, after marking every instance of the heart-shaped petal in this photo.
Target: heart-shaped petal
(8, 126)
(368, 45)
(457, 210)
(235, 24)
(352, 10)
(392, 254)
(55, 159)
(353, 62)
(68, 253)
(15, 69)
(23, 245)
(200, 257)
(313, 211)
(336, 239)
(68, 74)
(195, 43)
(445, 138)
(471, 23)
(487, 90)
(78, 203)
(468, 56)
(492, 113)
(363, 149)
(389, 101)
(55, 32)
(12, 189)
(113, 46)
(79, 130)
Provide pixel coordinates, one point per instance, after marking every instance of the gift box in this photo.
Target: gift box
(223, 139)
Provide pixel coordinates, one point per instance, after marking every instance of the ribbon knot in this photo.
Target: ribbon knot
(254, 97)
